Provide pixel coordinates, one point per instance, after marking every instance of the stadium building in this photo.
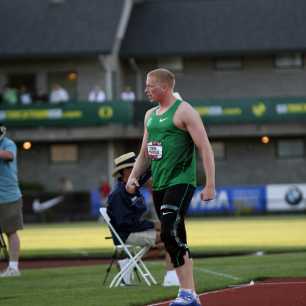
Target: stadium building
(241, 64)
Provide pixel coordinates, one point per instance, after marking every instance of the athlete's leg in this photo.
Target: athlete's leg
(173, 233)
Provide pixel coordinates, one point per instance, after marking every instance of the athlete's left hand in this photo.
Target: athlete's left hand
(208, 193)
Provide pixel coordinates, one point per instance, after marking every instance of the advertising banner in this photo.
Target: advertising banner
(231, 200)
(286, 197)
(212, 111)
(252, 110)
(70, 114)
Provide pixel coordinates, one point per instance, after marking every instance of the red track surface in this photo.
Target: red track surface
(274, 292)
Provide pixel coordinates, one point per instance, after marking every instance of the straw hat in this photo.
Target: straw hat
(2, 131)
(124, 161)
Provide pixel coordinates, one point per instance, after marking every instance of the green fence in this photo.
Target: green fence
(254, 110)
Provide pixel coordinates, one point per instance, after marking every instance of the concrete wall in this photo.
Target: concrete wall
(35, 165)
(258, 77)
(249, 162)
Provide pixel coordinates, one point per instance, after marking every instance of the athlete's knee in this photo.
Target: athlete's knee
(173, 243)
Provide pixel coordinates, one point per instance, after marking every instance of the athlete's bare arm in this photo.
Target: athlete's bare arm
(142, 161)
(187, 118)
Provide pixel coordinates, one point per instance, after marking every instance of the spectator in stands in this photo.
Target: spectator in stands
(97, 95)
(58, 94)
(10, 95)
(11, 219)
(126, 212)
(25, 97)
(127, 94)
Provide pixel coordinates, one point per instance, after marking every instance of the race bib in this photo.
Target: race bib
(155, 150)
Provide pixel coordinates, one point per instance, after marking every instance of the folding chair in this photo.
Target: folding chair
(135, 257)
(3, 247)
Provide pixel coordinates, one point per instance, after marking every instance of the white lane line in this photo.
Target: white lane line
(224, 275)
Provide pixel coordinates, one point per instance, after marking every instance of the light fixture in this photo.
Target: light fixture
(72, 76)
(27, 145)
(265, 139)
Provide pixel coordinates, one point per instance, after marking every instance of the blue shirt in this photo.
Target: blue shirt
(126, 210)
(9, 188)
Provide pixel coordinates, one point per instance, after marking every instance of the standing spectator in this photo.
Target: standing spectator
(127, 94)
(25, 96)
(10, 95)
(97, 95)
(58, 94)
(11, 219)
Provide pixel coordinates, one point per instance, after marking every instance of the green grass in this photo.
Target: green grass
(205, 236)
(82, 286)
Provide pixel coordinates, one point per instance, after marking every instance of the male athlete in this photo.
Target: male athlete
(172, 130)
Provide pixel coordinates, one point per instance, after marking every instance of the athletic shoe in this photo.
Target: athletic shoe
(185, 298)
(171, 279)
(10, 272)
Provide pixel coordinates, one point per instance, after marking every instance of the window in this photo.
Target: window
(219, 150)
(292, 60)
(64, 153)
(290, 148)
(228, 63)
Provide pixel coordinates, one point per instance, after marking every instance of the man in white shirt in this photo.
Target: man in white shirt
(97, 95)
(58, 94)
(127, 94)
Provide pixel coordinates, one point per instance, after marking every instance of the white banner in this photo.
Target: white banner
(286, 197)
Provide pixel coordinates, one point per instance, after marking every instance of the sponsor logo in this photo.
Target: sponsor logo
(294, 196)
(38, 206)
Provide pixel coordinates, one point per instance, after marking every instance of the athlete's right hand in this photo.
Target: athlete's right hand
(132, 185)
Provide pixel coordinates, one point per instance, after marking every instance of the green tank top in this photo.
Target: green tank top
(171, 150)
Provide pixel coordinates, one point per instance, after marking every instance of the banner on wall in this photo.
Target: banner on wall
(231, 200)
(70, 114)
(286, 197)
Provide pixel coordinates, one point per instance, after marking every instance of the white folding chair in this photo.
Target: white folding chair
(135, 257)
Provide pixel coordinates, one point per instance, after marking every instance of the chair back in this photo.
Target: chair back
(116, 238)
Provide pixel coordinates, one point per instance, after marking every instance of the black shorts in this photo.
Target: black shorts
(177, 195)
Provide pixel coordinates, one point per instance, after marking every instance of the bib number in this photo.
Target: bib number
(155, 150)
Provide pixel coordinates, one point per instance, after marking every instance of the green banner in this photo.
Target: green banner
(256, 110)
(217, 111)
(70, 114)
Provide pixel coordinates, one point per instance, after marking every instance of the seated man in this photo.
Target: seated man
(126, 213)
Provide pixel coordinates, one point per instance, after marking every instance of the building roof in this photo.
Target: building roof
(215, 27)
(58, 27)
